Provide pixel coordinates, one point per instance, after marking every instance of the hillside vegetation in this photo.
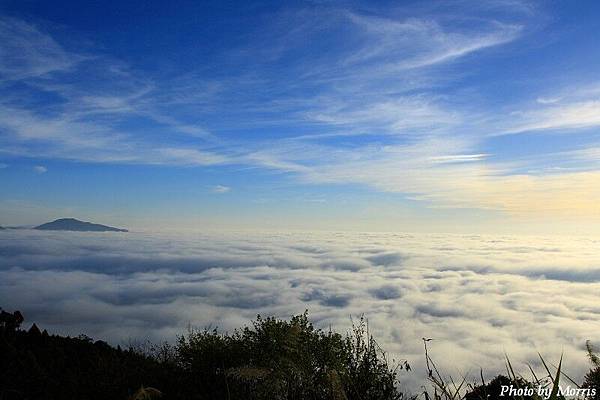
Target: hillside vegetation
(271, 359)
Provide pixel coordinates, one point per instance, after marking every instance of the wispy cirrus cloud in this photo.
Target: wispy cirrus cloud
(384, 115)
(26, 52)
(420, 42)
(75, 138)
(369, 112)
(373, 44)
(445, 173)
(84, 124)
(559, 115)
(382, 80)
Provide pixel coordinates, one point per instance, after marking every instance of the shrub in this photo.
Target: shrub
(280, 359)
(271, 359)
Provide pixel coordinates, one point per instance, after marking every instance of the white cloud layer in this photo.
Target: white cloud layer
(477, 296)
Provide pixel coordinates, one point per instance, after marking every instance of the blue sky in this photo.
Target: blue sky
(435, 116)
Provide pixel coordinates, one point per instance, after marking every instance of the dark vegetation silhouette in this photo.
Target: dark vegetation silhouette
(271, 359)
(592, 378)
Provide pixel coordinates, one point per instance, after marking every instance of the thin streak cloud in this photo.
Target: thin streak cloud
(391, 109)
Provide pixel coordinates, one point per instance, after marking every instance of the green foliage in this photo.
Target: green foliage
(592, 378)
(147, 394)
(271, 359)
(278, 359)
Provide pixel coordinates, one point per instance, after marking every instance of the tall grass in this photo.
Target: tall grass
(544, 385)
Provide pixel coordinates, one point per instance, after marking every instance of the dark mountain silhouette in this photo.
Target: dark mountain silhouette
(1, 228)
(72, 224)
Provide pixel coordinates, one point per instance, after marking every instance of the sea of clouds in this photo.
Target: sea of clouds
(478, 297)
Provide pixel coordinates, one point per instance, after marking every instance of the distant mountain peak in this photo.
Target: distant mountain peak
(72, 224)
